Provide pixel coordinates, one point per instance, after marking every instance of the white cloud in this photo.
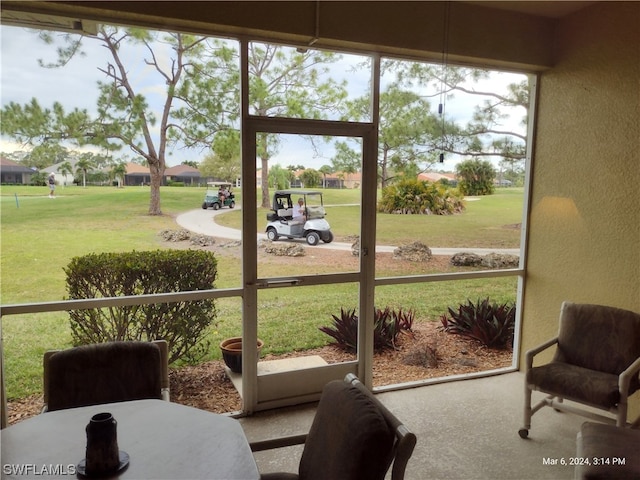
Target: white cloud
(74, 85)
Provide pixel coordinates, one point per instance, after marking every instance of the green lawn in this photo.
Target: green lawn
(41, 235)
(487, 222)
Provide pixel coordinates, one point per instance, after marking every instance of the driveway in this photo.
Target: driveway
(203, 222)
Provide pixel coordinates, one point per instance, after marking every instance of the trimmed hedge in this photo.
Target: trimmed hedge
(182, 324)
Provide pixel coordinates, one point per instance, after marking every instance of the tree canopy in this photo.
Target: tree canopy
(123, 117)
(200, 108)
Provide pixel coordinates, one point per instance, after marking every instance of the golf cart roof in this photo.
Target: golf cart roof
(219, 184)
(282, 193)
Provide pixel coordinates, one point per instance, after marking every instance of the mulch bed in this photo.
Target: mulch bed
(427, 353)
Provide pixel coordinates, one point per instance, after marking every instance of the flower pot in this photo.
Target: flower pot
(232, 352)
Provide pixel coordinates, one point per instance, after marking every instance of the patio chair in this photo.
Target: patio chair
(105, 373)
(596, 363)
(353, 436)
(605, 452)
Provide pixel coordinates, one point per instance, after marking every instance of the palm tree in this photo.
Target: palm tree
(325, 170)
(83, 165)
(65, 169)
(118, 171)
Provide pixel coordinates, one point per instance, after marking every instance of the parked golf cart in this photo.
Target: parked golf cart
(218, 195)
(312, 226)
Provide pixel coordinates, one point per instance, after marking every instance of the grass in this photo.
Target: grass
(485, 222)
(40, 236)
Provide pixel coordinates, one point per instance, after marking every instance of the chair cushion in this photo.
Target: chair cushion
(598, 337)
(611, 446)
(349, 438)
(576, 383)
(104, 373)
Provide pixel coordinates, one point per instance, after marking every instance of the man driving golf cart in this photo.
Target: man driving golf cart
(299, 215)
(223, 197)
(305, 219)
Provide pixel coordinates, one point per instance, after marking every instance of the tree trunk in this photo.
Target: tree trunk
(157, 171)
(265, 183)
(383, 172)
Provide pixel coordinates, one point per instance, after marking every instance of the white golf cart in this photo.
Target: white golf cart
(311, 225)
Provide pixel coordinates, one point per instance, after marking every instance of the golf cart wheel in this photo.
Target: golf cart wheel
(204, 205)
(327, 237)
(272, 234)
(216, 206)
(232, 204)
(313, 238)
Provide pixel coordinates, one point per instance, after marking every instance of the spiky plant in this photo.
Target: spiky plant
(388, 324)
(491, 324)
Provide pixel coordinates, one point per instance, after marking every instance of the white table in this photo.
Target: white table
(164, 441)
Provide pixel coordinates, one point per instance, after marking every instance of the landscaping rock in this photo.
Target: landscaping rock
(491, 260)
(202, 240)
(231, 244)
(466, 259)
(355, 248)
(414, 252)
(284, 249)
(175, 235)
(424, 355)
(500, 260)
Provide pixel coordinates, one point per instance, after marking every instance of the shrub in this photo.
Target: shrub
(388, 324)
(182, 323)
(476, 177)
(418, 197)
(490, 324)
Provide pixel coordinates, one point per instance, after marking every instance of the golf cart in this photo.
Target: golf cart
(219, 195)
(311, 225)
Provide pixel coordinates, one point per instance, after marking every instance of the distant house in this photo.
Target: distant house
(14, 173)
(185, 174)
(435, 177)
(343, 180)
(137, 175)
(66, 179)
(332, 180)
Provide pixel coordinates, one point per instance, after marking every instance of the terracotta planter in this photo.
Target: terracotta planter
(232, 352)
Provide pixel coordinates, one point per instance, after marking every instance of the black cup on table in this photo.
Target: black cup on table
(102, 455)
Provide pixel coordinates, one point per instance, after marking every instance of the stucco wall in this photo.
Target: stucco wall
(584, 237)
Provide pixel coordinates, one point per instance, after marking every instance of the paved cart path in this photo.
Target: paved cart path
(203, 222)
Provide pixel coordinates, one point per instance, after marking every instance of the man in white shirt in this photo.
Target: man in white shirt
(299, 213)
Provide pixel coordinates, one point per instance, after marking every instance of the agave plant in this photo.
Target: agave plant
(489, 323)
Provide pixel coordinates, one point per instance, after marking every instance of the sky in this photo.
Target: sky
(75, 86)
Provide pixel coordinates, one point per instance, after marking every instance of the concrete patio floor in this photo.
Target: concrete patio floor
(466, 430)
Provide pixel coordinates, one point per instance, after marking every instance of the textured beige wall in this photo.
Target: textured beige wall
(584, 237)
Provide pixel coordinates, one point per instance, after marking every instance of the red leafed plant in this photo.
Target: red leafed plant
(388, 326)
(491, 324)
